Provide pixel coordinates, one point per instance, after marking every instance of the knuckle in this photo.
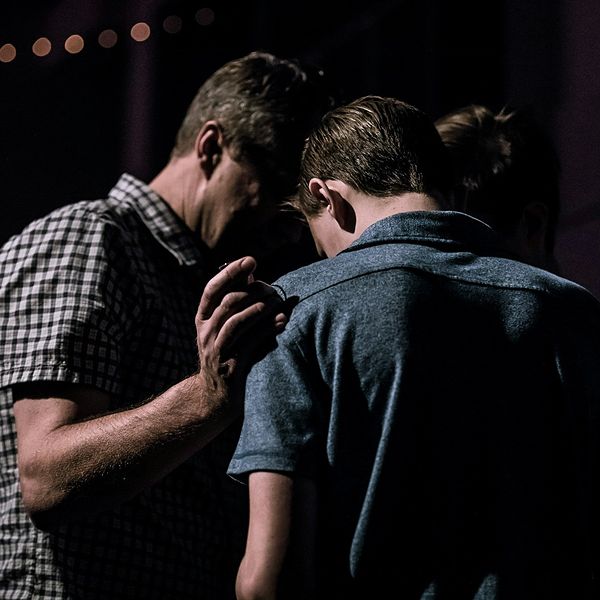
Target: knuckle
(209, 289)
(231, 299)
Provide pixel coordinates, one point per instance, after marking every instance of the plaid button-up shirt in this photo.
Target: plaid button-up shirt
(104, 293)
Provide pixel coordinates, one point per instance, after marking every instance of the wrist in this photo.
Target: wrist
(214, 396)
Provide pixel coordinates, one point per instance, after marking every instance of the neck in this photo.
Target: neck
(177, 184)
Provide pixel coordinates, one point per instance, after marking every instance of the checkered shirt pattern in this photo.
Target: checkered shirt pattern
(104, 293)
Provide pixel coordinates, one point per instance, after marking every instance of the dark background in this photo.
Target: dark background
(70, 124)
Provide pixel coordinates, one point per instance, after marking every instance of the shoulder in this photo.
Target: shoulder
(573, 301)
(82, 238)
(324, 275)
(75, 215)
(329, 293)
(79, 224)
(559, 289)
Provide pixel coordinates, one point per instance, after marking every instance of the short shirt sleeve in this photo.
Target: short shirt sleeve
(65, 301)
(283, 418)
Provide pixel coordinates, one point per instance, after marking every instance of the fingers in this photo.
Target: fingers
(235, 275)
(237, 320)
(237, 300)
(248, 342)
(236, 312)
(245, 330)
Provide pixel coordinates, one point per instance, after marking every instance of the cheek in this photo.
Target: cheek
(243, 194)
(233, 197)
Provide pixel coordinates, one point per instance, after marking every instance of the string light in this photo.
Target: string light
(172, 24)
(107, 38)
(205, 16)
(140, 32)
(7, 53)
(74, 44)
(41, 47)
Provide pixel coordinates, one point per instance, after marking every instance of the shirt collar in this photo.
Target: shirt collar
(160, 219)
(434, 228)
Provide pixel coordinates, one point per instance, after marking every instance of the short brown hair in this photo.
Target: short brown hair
(265, 106)
(379, 146)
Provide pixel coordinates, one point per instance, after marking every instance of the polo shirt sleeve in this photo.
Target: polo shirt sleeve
(283, 418)
(65, 301)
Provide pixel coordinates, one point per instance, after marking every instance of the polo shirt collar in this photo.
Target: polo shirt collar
(433, 228)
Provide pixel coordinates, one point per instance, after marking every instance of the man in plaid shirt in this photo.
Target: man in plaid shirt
(113, 480)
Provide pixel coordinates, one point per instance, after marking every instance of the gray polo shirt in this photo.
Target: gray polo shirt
(444, 398)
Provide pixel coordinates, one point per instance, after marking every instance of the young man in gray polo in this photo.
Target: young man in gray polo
(427, 425)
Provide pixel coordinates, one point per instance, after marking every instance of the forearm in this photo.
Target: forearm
(279, 561)
(74, 457)
(97, 463)
(268, 536)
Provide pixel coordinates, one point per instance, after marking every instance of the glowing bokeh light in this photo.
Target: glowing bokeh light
(205, 16)
(107, 38)
(140, 32)
(172, 24)
(41, 47)
(74, 44)
(7, 53)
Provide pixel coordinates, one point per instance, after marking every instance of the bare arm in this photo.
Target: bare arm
(75, 459)
(281, 539)
(268, 536)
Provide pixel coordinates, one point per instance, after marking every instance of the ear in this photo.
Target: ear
(209, 147)
(337, 207)
(535, 222)
(532, 237)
